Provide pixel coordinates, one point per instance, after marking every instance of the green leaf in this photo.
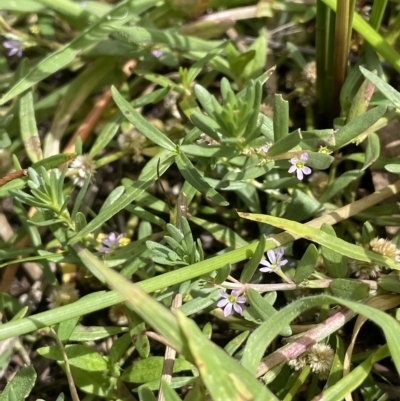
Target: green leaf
(206, 124)
(168, 392)
(66, 328)
(319, 161)
(316, 138)
(358, 125)
(80, 356)
(334, 262)
(93, 333)
(249, 172)
(341, 182)
(190, 174)
(119, 346)
(20, 386)
(256, 65)
(206, 100)
(387, 90)
(143, 36)
(349, 289)
(285, 143)
(390, 283)
(302, 207)
(281, 118)
(252, 265)
(373, 150)
(318, 236)
(393, 168)
(361, 100)
(150, 369)
(353, 380)
(140, 123)
(27, 120)
(306, 265)
(264, 309)
(53, 161)
(196, 68)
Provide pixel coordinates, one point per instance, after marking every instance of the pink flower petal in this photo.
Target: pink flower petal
(271, 256)
(228, 310)
(299, 174)
(238, 309)
(304, 157)
(222, 303)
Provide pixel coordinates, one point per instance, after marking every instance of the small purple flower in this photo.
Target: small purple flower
(230, 301)
(265, 148)
(110, 243)
(299, 166)
(157, 53)
(14, 46)
(275, 263)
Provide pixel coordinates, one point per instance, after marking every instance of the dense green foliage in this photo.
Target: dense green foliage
(214, 174)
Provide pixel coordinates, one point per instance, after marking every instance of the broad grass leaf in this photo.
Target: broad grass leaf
(318, 236)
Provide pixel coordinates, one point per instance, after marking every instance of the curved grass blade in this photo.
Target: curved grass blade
(62, 57)
(318, 236)
(140, 123)
(190, 174)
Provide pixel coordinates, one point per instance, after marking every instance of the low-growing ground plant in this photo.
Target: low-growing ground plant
(198, 200)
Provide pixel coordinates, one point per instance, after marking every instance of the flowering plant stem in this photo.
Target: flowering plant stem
(104, 300)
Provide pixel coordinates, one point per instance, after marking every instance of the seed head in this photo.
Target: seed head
(81, 167)
(63, 295)
(385, 247)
